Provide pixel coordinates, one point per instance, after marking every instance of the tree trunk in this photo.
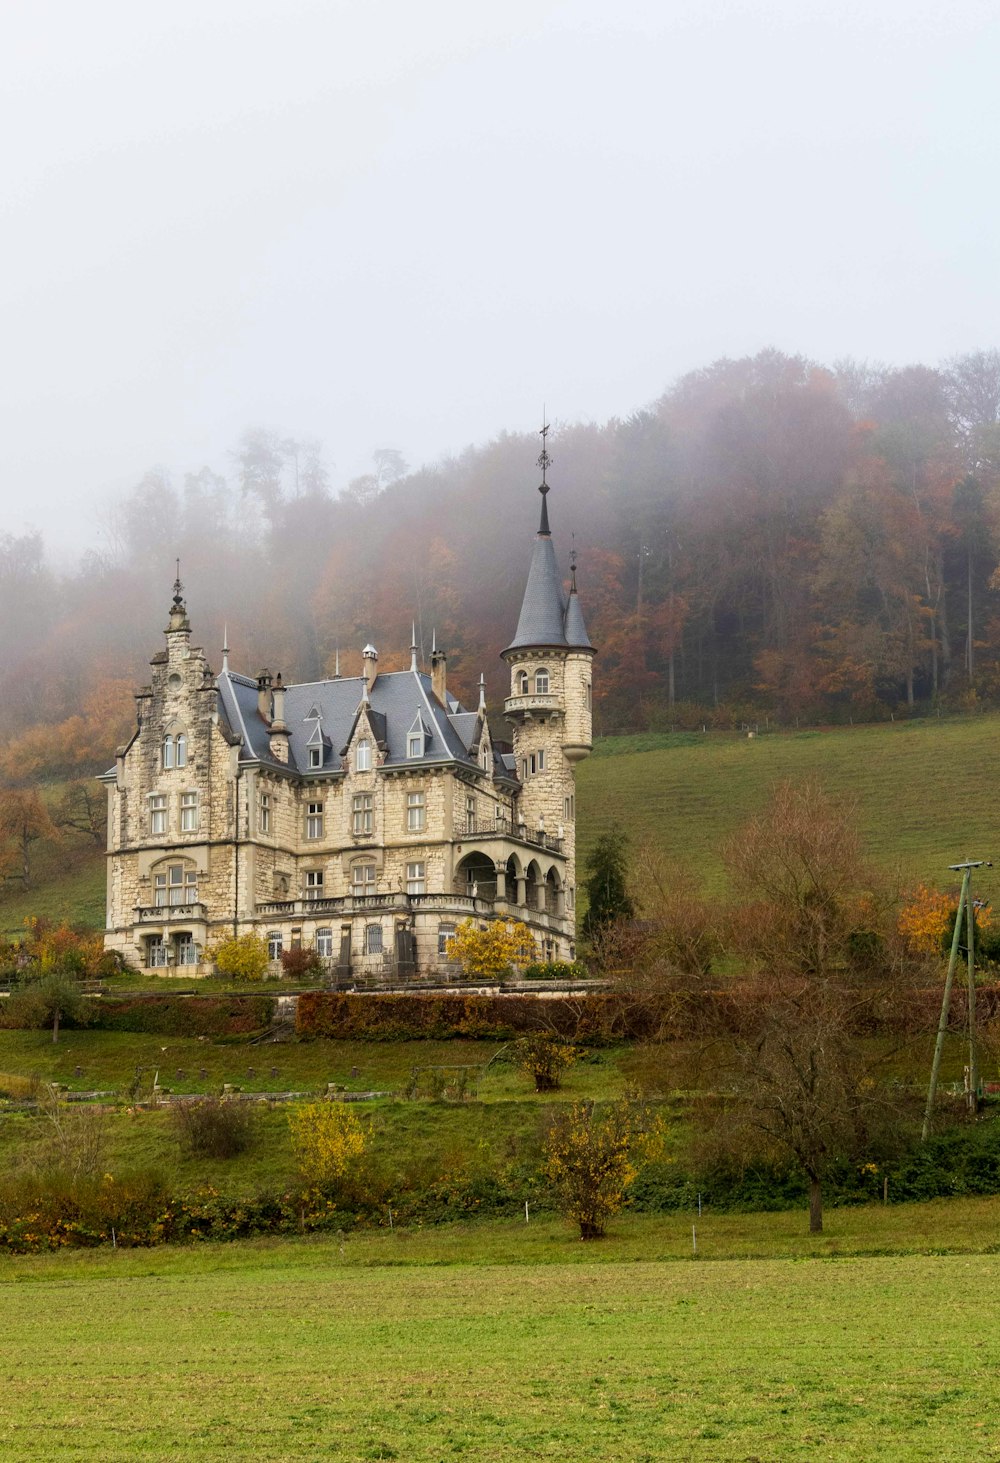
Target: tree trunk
(815, 1207)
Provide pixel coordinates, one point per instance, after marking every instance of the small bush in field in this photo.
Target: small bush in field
(327, 1140)
(213, 1128)
(543, 1057)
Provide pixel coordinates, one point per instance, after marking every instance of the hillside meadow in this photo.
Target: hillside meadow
(494, 1342)
(918, 786)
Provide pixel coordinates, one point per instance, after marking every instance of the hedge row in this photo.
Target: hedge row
(587, 1019)
(184, 1015)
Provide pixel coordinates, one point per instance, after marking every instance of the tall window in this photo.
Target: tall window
(541, 759)
(189, 812)
(541, 681)
(484, 756)
(470, 815)
(156, 952)
(362, 813)
(187, 950)
(314, 883)
(522, 683)
(158, 813)
(362, 880)
(264, 813)
(275, 945)
(446, 933)
(373, 939)
(168, 752)
(588, 695)
(415, 878)
(363, 757)
(414, 812)
(182, 749)
(314, 820)
(324, 944)
(176, 884)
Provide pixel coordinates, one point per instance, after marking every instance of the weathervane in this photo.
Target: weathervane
(178, 587)
(544, 461)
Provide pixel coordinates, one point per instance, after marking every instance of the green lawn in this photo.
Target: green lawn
(424, 1347)
(918, 785)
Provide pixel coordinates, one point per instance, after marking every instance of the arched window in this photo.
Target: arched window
(182, 749)
(522, 684)
(168, 752)
(541, 682)
(363, 760)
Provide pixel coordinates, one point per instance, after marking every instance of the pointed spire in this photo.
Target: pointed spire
(482, 694)
(225, 649)
(434, 642)
(573, 625)
(544, 462)
(336, 665)
(413, 645)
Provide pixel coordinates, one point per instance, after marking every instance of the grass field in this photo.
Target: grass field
(503, 1341)
(918, 786)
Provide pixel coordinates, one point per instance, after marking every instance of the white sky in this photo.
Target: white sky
(390, 224)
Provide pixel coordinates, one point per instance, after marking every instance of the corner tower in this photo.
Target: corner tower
(549, 706)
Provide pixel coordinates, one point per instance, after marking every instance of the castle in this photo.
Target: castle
(359, 817)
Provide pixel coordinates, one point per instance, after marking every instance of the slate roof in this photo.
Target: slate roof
(396, 699)
(548, 617)
(574, 628)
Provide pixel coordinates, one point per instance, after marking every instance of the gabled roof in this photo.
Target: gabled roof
(395, 701)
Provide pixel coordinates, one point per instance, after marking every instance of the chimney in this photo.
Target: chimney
(279, 731)
(264, 694)
(369, 657)
(439, 667)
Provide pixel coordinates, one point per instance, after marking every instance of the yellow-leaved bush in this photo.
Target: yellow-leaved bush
(242, 957)
(592, 1153)
(487, 953)
(328, 1139)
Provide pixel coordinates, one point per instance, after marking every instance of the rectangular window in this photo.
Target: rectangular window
(175, 885)
(187, 950)
(275, 945)
(569, 807)
(373, 939)
(324, 944)
(524, 768)
(158, 813)
(362, 879)
(541, 760)
(314, 883)
(156, 952)
(362, 813)
(415, 878)
(314, 820)
(414, 812)
(264, 813)
(571, 897)
(415, 745)
(446, 933)
(532, 764)
(470, 815)
(189, 812)
(315, 756)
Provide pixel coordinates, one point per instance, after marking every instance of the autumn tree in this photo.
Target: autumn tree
(328, 1141)
(485, 954)
(24, 820)
(592, 1153)
(814, 934)
(83, 808)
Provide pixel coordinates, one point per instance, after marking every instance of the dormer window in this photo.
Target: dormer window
(315, 756)
(363, 756)
(416, 739)
(522, 684)
(484, 756)
(541, 682)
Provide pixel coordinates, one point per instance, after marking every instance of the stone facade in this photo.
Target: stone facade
(363, 818)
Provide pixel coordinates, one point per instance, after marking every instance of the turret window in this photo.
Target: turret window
(541, 682)
(522, 684)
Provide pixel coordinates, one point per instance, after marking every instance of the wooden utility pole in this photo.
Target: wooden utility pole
(966, 907)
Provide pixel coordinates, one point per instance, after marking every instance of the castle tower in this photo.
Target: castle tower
(549, 706)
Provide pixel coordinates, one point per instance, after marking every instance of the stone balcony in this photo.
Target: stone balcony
(169, 913)
(523, 708)
(487, 828)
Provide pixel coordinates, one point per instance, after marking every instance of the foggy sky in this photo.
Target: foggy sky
(399, 225)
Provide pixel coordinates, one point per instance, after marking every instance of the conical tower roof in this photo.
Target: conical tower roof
(575, 629)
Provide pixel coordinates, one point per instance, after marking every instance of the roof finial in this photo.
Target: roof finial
(544, 462)
(225, 647)
(572, 567)
(434, 642)
(336, 665)
(482, 692)
(178, 589)
(413, 645)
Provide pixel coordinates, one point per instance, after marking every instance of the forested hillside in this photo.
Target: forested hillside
(771, 537)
